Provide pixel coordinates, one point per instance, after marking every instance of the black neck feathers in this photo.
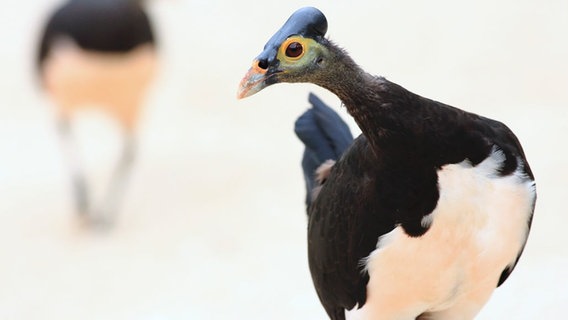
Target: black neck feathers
(410, 128)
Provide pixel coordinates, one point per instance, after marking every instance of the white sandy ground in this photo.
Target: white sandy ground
(213, 224)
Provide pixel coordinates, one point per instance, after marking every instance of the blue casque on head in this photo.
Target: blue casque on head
(308, 22)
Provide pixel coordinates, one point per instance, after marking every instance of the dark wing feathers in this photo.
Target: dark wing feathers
(314, 139)
(344, 228)
(338, 276)
(335, 129)
(325, 136)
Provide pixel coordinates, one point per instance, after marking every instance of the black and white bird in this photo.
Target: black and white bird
(428, 210)
(98, 54)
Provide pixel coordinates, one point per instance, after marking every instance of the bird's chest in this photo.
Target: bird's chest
(477, 229)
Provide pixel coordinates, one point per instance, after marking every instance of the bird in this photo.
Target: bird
(426, 212)
(102, 55)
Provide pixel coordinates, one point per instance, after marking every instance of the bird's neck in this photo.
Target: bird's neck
(366, 97)
(402, 124)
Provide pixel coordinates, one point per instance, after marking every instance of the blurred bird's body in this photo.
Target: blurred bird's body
(98, 54)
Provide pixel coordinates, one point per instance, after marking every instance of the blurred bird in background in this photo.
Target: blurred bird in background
(98, 54)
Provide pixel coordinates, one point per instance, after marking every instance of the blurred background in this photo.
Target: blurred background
(213, 222)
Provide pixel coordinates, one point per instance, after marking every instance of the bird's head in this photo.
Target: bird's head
(294, 54)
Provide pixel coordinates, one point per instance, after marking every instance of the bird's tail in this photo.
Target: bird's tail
(325, 136)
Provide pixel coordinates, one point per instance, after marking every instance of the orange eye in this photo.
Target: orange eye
(294, 50)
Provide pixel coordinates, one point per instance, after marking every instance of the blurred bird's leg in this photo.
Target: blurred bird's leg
(79, 182)
(118, 181)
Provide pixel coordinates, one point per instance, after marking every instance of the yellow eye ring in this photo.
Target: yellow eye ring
(293, 48)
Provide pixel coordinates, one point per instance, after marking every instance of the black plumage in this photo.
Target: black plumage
(325, 136)
(388, 183)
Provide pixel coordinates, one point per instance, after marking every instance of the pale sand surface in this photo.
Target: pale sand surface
(213, 224)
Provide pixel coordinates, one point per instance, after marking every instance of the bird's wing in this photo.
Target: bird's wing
(325, 137)
(344, 228)
(330, 123)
